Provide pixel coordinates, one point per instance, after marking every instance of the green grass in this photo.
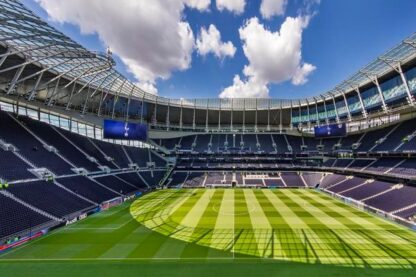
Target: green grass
(239, 232)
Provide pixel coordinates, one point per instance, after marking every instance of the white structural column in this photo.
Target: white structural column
(15, 78)
(142, 109)
(316, 112)
(232, 114)
(115, 99)
(280, 119)
(206, 119)
(374, 80)
(326, 111)
(291, 114)
(32, 92)
(411, 99)
(335, 108)
(128, 103)
(396, 66)
(255, 118)
(244, 115)
(99, 88)
(104, 93)
(168, 115)
(180, 115)
(268, 115)
(309, 113)
(154, 120)
(364, 112)
(383, 100)
(194, 118)
(347, 106)
(219, 116)
(55, 92)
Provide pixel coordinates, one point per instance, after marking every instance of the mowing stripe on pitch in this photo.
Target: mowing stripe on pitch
(261, 226)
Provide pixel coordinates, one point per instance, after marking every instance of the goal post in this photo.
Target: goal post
(111, 203)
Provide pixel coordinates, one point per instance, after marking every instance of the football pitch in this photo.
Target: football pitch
(238, 232)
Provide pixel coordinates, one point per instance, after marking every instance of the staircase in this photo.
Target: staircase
(378, 194)
(385, 137)
(166, 177)
(396, 166)
(404, 208)
(73, 193)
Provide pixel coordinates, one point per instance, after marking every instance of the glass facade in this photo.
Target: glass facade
(60, 121)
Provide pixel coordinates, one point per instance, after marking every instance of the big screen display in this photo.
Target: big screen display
(332, 130)
(124, 130)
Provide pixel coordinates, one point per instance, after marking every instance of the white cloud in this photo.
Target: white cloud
(209, 41)
(245, 89)
(270, 8)
(147, 87)
(274, 57)
(201, 5)
(234, 6)
(301, 75)
(151, 37)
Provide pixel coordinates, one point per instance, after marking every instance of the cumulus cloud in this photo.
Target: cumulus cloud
(209, 41)
(301, 75)
(147, 87)
(274, 57)
(151, 37)
(201, 5)
(245, 89)
(234, 6)
(270, 8)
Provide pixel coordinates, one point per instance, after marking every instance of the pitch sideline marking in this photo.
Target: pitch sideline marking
(403, 263)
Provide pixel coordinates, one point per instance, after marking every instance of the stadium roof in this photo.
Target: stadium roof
(24, 33)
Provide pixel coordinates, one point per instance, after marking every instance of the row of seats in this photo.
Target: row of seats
(180, 178)
(25, 205)
(398, 199)
(397, 137)
(29, 201)
(393, 166)
(32, 141)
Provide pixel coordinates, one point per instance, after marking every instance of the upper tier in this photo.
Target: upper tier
(45, 66)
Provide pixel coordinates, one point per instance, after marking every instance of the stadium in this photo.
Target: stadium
(98, 176)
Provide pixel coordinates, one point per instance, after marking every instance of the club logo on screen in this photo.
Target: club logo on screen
(331, 130)
(124, 130)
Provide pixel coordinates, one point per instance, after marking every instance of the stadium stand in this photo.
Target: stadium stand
(55, 163)
(30, 147)
(116, 184)
(50, 135)
(12, 167)
(292, 179)
(87, 188)
(90, 147)
(49, 197)
(16, 217)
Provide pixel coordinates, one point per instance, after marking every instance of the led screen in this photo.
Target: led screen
(124, 130)
(332, 130)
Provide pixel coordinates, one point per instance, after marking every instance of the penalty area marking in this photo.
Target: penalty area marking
(102, 228)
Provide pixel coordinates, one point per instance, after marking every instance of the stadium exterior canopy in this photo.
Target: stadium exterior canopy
(43, 65)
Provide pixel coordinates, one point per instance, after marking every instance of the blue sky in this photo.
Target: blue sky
(340, 38)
